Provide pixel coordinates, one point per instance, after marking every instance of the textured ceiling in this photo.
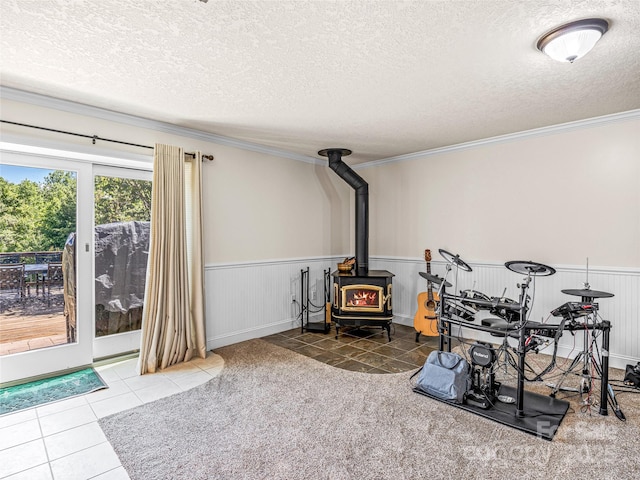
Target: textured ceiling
(384, 78)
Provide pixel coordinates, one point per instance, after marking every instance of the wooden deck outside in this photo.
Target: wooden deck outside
(32, 323)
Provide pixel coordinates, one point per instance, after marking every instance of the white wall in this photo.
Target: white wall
(259, 207)
(556, 199)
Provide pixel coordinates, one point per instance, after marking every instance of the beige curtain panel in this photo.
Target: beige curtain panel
(173, 323)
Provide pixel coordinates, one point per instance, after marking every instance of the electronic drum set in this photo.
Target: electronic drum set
(510, 321)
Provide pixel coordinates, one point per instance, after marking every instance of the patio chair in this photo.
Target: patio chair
(43, 259)
(54, 277)
(12, 279)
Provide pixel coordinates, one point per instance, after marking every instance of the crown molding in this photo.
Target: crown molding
(132, 120)
(126, 119)
(510, 137)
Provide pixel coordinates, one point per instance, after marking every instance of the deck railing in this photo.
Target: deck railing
(31, 257)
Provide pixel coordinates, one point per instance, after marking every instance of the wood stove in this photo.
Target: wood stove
(361, 297)
(362, 300)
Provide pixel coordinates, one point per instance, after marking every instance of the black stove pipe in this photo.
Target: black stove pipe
(361, 203)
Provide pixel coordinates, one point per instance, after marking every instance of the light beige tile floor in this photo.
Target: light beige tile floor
(63, 440)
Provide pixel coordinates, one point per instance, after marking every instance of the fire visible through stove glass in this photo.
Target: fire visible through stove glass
(363, 298)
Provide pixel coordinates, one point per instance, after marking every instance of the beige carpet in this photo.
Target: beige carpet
(275, 414)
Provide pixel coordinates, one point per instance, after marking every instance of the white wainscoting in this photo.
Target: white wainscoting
(251, 300)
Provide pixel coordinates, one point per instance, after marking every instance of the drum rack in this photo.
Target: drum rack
(543, 413)
(520, 307)
(519, 310)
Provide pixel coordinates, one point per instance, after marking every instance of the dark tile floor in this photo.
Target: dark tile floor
(361, 349)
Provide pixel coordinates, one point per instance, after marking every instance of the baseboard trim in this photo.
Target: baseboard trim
(251, 333)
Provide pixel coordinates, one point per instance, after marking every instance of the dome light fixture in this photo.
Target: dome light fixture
(571, 41)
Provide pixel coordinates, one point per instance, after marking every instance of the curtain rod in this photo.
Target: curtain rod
(96, 137)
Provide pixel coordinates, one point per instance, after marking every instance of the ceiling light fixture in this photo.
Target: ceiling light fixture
(571, 41)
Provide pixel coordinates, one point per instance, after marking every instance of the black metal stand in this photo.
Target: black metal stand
(444, 327)
(307, 325)
(504, 357)
(521, 348)
(604, 371)
(587, 358)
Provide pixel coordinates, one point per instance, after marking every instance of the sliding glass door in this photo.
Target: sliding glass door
(122, 210)
(45, 233)
(74, 242)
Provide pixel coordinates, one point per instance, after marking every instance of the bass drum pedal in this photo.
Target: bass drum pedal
(483, 380)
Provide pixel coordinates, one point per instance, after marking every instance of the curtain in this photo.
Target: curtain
(173, 324)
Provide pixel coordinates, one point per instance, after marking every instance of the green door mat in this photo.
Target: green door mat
(28, 395)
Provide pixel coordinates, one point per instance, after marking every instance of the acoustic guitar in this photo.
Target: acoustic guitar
(425, 321)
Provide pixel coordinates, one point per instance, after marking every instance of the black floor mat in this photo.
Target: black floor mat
(542, 414)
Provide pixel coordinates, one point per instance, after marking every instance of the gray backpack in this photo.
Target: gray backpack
(445, 375)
